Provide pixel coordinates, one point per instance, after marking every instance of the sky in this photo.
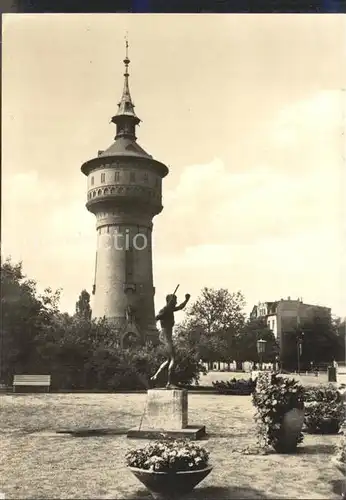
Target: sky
(247, 111)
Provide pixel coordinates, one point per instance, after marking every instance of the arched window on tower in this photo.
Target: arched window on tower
(103, 177)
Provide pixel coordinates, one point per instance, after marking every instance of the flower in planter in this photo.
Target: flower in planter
(275, 398)
(169, 468)
(169, 455)
(324, 410)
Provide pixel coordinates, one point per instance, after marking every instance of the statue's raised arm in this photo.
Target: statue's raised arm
(183, 304)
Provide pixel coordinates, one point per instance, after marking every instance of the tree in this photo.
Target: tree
(25, 315)
(246, 342)
(212, 323)
(83, 308)
(321, 343)
(79, 353)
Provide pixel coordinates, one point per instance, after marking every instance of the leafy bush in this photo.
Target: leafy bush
(85, 355)
(273, 397)
(236, 387)
(324, 410)
(168, 455)
(145, 360)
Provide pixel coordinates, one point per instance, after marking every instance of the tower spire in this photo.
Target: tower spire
(126, 118)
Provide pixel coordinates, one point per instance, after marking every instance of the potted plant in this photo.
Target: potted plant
(169, 468)
(324, 410)
(339, 459)
(279, 403)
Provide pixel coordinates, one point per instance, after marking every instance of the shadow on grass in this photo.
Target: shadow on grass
(222, 435)
(210, 492)
(338, 486)
(316, 449)
(89, 432)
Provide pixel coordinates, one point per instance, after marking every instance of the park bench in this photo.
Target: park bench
(31, 381)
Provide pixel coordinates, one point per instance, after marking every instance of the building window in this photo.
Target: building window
(132, 177)
(103, 178)
(145, 177)
(129, 264)
(92, 180)
(117, 176)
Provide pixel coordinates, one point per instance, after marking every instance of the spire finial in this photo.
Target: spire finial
(126, 60)
(126, 119)
(127, 44)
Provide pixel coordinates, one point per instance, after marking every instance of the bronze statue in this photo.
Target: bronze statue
(166, 318)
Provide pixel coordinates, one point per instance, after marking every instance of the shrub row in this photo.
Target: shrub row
(324, 410)
(324, 407)
(239, 387)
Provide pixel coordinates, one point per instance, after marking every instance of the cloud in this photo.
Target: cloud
(46, 225)
(272, 229)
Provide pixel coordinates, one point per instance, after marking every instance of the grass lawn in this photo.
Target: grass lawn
(37, 463)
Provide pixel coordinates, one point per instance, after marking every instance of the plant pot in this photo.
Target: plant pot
(170, 485)
(290, 431)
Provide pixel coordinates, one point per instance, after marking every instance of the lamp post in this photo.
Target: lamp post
(277, 363)
(299, 349)
(261, 346)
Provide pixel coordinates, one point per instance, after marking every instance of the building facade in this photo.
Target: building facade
(124, 192)
(286, 315)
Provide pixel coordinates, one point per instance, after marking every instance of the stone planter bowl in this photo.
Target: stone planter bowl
(290, 431)
(170, 485)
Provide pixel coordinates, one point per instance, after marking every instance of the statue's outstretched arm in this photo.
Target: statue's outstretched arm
(183, 304)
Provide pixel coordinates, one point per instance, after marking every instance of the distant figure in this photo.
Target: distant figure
(166, 318)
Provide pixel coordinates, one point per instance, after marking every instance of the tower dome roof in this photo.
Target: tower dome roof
(124, 146)
(125, 142)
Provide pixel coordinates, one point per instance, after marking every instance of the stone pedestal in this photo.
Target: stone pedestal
(166, 409)
(341, 376)
(341, 384)
(166, 414)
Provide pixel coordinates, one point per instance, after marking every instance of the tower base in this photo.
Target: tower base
(120, 328)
